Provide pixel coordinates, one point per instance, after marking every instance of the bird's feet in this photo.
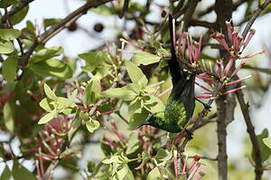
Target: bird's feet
(206, 106)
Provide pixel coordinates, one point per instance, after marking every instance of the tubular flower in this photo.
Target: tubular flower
(237, 41)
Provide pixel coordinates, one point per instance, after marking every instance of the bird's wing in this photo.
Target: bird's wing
(174, 66)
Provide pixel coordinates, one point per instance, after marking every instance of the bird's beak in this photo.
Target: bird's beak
(144, 123)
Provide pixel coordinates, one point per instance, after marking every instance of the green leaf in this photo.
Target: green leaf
(145, 58)
(153, 104)
(7, 3)
(52, 67)
(46, 53)
(9, 68)
(136, 74)
(50, 21)
(162, 157)
(154, 174)
(9, 34)
(76, 123)
(91, 166)
(6, 174)
(265, 151)
(103, 10)
(92, 91)
(49, 93)
(48, 117)
(138, 118)
(6, 47)
(20, 172)
(98, 62)
(8, 112)
(133, 144)
(125, 93)
(19, 16)
(124, 173)
(92, 125)
(45, 104)
(261, 2)
(62, 103)
(112, 159)
(267, 142)
(135, 106)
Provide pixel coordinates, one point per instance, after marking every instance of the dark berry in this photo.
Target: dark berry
(72, 27)
(98, 27)
(163, 13)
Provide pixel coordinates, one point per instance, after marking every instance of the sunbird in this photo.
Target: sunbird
(181, 103)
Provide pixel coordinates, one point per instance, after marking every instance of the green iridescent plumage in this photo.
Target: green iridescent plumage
(181, 103)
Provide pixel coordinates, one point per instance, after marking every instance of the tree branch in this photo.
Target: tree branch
(252, 136)
(225, 104)
(44, 37)
(191, 7)
(22, 4)
(255, 15)
(244, 107)
(211, 8)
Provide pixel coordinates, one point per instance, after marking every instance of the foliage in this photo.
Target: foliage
(56, 108)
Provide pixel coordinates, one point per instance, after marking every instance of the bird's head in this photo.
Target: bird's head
(154, 120)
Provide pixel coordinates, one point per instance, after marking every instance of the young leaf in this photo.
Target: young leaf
(267, 142)
(8, 112)
(19, 16)
(20, 172)
(145, 58)
(52, 67)
(48, 117)
(138, 118)
(162, 156)
(93, 91)
(124, 173)
(49, 93)
(98, 62)
(136, 74)
(6, 47)
(103, 10)
(9, 34)
(76, 123)
(153, 104)
(133, 144)
(46, 53)
(45, 104)
(154, 174)
(92, 125)
(9, 68)
(7, 3)
(125, 93)
(50, 21)
(6, 174)
(91, 166)
(265, 151)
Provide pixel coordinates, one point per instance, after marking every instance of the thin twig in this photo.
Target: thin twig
(191, 7)
(252, 136)
(49, 171)
(196, 123)
(245, 110)
(225, 109)
(44, 37)
(14, 10)
(255, 15)
(211, 8)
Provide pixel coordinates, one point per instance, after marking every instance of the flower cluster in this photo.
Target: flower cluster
(51, 141)
(218, 76)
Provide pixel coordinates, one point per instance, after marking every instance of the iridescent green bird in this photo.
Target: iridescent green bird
(181, 103)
